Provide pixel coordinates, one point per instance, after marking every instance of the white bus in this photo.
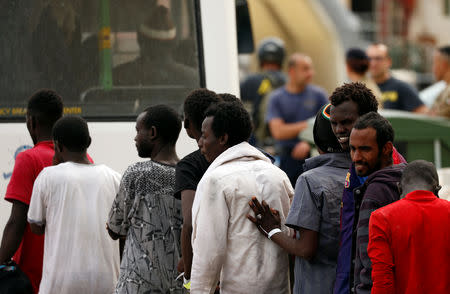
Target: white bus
(76, 47)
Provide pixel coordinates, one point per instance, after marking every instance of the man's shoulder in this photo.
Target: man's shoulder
(235, 169)
(107, 170)
(324, 178)
(138, 168)
(278, 93)
(387, 174)
(194, 162)
(391, 210)
(382, 185)
(400, 85)
(253, 79)
(316, 90)
(143, 167)
(194, 157)
(318, 173)
(36, 152)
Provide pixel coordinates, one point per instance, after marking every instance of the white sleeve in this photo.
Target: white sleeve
(210, 238)
(38, 205)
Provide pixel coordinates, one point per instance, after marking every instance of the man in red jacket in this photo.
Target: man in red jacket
(409, 240)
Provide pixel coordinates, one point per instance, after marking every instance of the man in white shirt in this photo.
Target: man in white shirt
(225, 244)
(70, 203)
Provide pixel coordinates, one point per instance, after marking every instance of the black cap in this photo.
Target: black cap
(324, 137)
(271, 50)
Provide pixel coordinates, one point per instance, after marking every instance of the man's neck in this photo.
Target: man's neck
(294, 88)
(354, 77)
(44, 136)
(271, 67)
(382, 78)
(165, 154)
(40, 140)
(386, 163)
(77, 157)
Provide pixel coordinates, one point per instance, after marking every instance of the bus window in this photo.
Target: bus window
(107, 58)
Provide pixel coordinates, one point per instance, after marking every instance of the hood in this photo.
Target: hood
(388, 174)
(241, 151)
(340, 160)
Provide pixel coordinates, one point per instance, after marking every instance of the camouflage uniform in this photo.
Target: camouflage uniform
(441, 105)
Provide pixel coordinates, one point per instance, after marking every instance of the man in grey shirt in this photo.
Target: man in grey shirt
(145, 213)
(314, 213)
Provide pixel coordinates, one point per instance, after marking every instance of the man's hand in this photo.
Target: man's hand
(266, 218)
(14, 230)
(301, 150)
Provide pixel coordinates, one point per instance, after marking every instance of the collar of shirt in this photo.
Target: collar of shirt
(48, 143)
(421, 195)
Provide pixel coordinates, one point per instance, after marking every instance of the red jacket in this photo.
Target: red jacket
(409, 245)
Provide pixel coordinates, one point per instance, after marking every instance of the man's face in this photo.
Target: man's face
(364, 151)
(210, 146)
(380, 62)
(142, 139)
(342, 119)
(303, 72)
(440, 66)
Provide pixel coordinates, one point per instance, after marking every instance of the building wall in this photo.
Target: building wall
(430, 21)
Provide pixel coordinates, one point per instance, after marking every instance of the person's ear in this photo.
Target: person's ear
(388, 148)
(153, 133)
(223, 140)
(89, 142)
(32, 122)
(58, 146)
(437, 188)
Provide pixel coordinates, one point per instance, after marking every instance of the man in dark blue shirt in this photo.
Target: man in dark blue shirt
(396, 94)
(288, 111)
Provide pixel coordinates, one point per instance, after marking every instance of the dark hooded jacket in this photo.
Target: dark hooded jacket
(380, 189)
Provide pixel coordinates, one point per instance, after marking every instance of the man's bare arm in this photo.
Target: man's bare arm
(281, 130)
(421, 109)
(37, 229)
(305, 247)
(14, 229)
(187, 199)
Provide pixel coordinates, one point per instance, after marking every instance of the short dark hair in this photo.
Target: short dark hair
(230, 118)
(73, 133)
(166, 121)
(196, 104)
(358, 93)
(46, 106)
(357, 60)
(383, 128)
(227, 97)
(420, 171)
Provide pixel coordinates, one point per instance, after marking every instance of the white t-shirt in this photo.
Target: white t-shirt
(73, 201)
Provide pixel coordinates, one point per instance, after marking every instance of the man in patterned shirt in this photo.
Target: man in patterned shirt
(145, 211)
